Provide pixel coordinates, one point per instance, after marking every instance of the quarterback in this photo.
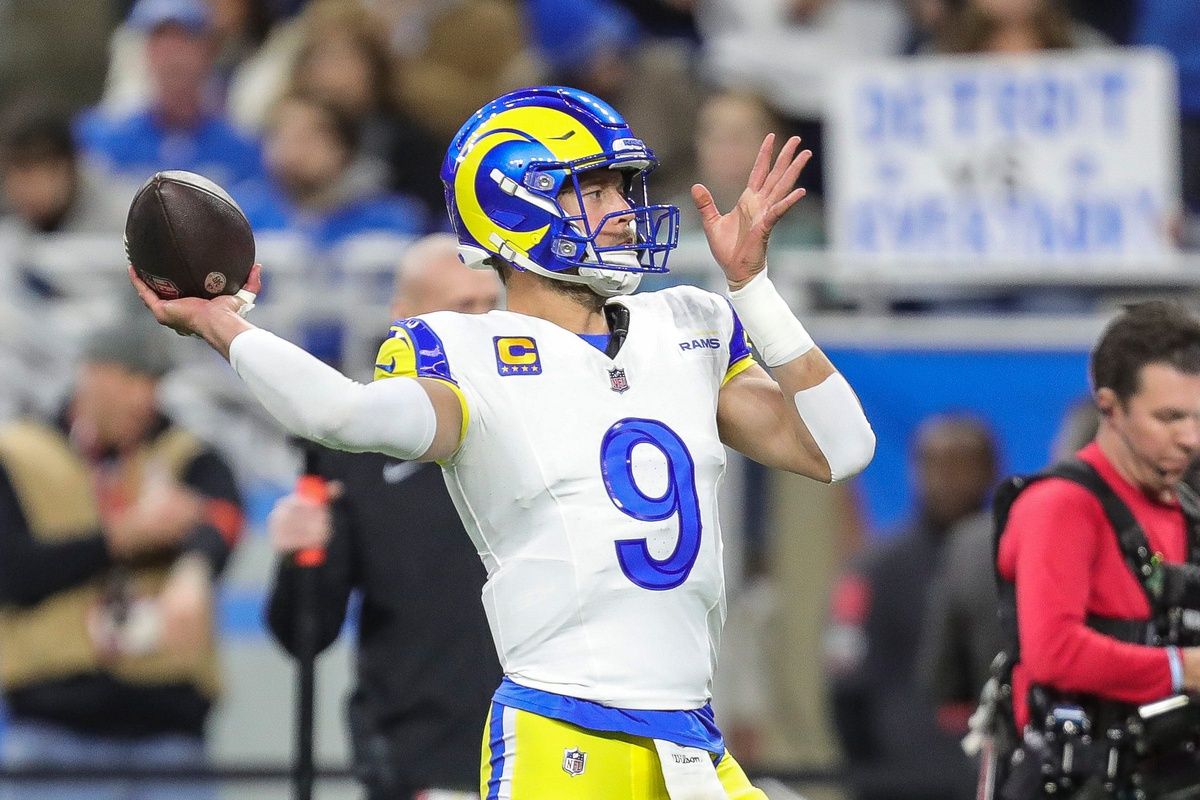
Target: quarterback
(581, 433)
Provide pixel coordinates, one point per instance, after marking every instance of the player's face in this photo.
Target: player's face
(1159, 425)
(603, 192)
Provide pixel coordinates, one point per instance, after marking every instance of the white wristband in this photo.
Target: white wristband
(247, 297)
(772, 326)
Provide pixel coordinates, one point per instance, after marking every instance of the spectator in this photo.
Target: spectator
(238, 30)
(426, 665)
(790, 51)
(730, 127)
(181, 127)
(1174, 25)
(45, 188)
(601, 46)
(472, 50)
(885, 725)
(344, 60)
(587, 44)
(962, 632)
(114, 524)
(1014, 26)
(317, 185)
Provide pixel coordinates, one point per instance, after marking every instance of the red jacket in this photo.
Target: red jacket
(1060, 549)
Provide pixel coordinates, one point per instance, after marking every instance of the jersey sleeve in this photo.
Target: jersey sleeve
(740, 357)
(413, 350)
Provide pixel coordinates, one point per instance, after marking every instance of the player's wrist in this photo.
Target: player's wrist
(219, 327)
(772, 326)
(739, 285)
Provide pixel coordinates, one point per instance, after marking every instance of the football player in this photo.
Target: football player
(581, 433)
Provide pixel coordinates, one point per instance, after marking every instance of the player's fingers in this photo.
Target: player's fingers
(254, 280)
(249, 293)
(782, 161)
(145, 293)
(778, 209)
(788, 180)
(705, 204)
(762, 163)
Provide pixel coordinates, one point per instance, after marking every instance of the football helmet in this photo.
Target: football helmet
(508, 165)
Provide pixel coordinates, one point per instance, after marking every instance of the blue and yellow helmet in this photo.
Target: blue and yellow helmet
(507, 167)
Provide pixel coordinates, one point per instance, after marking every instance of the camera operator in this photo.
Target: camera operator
(1096, 558)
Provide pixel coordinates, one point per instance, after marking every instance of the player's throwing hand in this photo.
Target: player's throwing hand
(196, 316)
(738, 239)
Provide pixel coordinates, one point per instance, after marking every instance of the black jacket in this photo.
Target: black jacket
(427, 667)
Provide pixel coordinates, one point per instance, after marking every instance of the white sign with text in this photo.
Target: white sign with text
(1065, 161)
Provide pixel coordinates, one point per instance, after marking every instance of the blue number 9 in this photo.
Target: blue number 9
(679, 500)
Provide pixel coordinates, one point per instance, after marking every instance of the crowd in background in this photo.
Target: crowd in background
(329, 118)
(327, 121)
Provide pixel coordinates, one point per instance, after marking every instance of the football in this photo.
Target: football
(186, 237)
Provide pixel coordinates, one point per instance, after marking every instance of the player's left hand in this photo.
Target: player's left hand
(738, 239)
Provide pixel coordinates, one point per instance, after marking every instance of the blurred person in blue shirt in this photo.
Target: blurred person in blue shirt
(182, 126)
(43, 187)
(586, 44)
(345, 58)
(316, 185)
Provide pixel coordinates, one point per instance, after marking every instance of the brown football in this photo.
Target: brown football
(186, 237)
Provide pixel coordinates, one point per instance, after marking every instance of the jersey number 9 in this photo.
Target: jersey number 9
(679, 500)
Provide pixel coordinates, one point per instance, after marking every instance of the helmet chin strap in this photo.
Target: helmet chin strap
(612, 282)
(604, 282)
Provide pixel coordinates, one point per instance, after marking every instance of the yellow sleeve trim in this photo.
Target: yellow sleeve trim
(397, 358)
(466, 414)
(738, 367)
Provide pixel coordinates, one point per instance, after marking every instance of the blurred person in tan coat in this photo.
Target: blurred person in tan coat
(114, 526)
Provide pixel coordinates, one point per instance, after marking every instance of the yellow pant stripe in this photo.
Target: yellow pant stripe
(537, 758)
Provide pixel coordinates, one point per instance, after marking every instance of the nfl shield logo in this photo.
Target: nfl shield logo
(617, 380)
(574, 761)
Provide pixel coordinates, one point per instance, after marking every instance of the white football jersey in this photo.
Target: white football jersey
(589, 487)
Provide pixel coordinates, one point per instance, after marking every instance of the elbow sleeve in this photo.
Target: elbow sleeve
(835, 418)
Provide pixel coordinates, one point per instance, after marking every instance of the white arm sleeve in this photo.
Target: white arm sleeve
(835, 419)
(315, 401)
